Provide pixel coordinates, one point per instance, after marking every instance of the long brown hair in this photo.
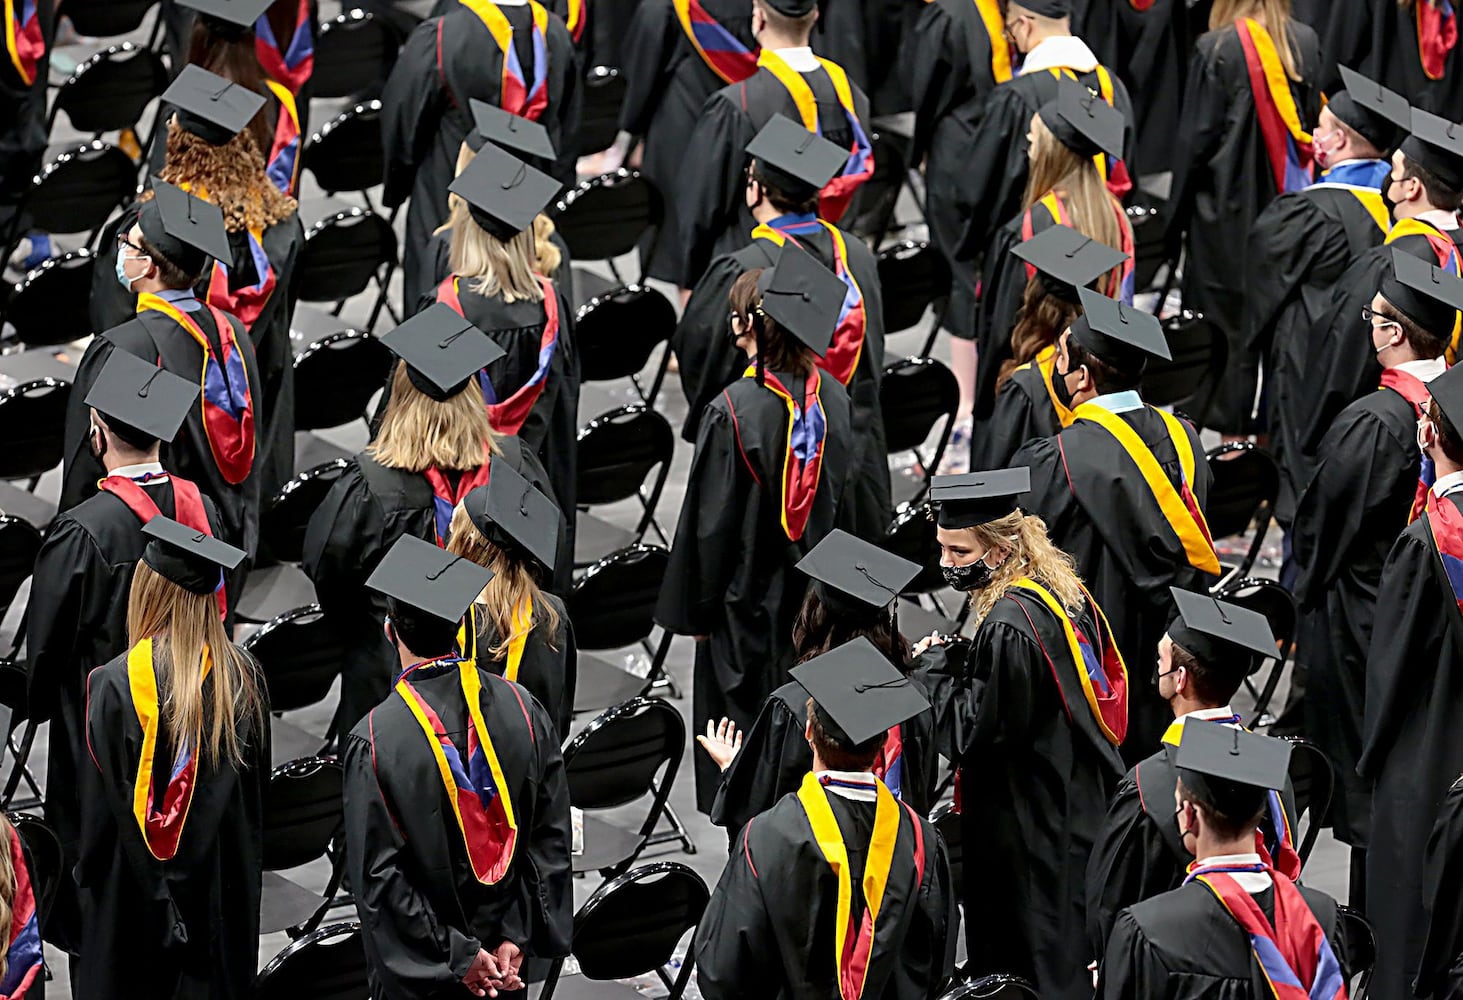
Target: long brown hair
(1033, 555)
(232, 176)
(1274, 15)
(1040, 321)
(513, 583)
(1055, 169)
(232, 57)
(780, 351)
(418, 433)
(7, 887)
(209, 717)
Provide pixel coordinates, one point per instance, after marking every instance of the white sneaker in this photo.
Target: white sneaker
(956, 460)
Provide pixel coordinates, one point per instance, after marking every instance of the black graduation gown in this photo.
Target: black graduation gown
(1185, 945)
(583, 46)
(731, 576)
(23, 129)
(1222, 180)
(1440, 973)
(710, 361)
(1098, 509)
(1035, 778)
(425, 115)
(423, 913)
(186, 927)
(710, 206)
(948, 59)
(667, 84)
(775, 756)
(435, 264)
(549, 666)
(363, 515)
(156, 339)
(1023, 411)
(1412, 748)
(1298, 248)
(777, 941)
(1378, 38)
(1348, 518)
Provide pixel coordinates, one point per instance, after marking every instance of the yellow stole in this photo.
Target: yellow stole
(800, 92)
(467, 637)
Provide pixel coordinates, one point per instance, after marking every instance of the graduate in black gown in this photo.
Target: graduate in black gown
(1301, 244)
(434, 447)
(1250, 103)
(77, 617)
(1203, 658)
(841, 849)
(23, 126)
(1236, 925)
(711, 209)
(1408, 45)
(854, 587)
(1033, 720)
(1122, 490)
(788, 169)
(161, 258)
(456, 803)
(1411, 747)
(1440, 972)
(515, 628)
(1367, 487)
(770, 477)
(169, 875)
(518, 56)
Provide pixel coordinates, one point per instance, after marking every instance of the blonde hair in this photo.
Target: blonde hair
(495, 267)
(1031, 554)
(1091, 208)
(7, 888)
(419, 433)
(209, 720)
(512, 583)
(232, 176)
(1274, 15)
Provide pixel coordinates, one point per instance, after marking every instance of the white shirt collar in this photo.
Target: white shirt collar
(1119, 402)
(1450, 483)
(865, 785)
(1223, 712)
(800, 59)
(1250, 882)
(1424, 370)
(1060, 52)
(154, 469)
(1440, 218)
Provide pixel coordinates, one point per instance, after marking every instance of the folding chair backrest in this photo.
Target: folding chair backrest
(1361, 940)
(346, 153)
(300, 655)
(872, 207)
(335, 378)
(20, 542)
(1199, 354)
(617, 452)
(997, 986)
(50, 304)
(32, 424)
(1313, 780)
(613, 603)
(599, 121)
(615, 759)
(912, 536)
(327, 964)
(915, 394)
(1246, 479)
(44, 859)
(354, 53)
(77, 190)
(947, 824)
(1149, 250)
(107, 18)
(303, 810)
(605, 216)
(912, 276)
(13, 684)
(285, 517)
(342, 254)
(632, 923)
(615, 333)
(1271, 600)
(110, 90)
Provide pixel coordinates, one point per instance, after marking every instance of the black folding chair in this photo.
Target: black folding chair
(628, 752)
(346, 154)
(1313, 780)
(912, 536)
(946, 822)
(616, 332)
(286, 515)
(43, 858)
(599, 119)
(32, 424)
(631, 926)
(997, 986)
(354, 54)
(1245, 487)
(110, 90)
(1150, 254)
(300, 655)
(337, 374)
(14, 684)
(345, 251)
(303, 813)
(1188, 381)
(613, 606)
(915, 395)
(1361, 949)
(1278, 606)
(913, 276)
(75, 192)
(107, 18)
(328, 964)
(605, 216)
(618, 451)
(20, 543)
(871, 210)
(50, 305)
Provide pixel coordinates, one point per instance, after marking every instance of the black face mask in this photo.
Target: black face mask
(1059, 387)
(976, 576)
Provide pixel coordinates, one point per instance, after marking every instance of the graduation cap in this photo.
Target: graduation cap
(1118, 334)
(793, 8)
(1067, 260)
(1423, 292)
(514, 133)
(1082, 121)
(502, 192)
(193, 559)
(977, 498)
(1231, 769)
(1380, 116)
(793, 159)
(141, 403)
(431, 580)
(1221, 634)
(442, 350)
(212, 108)
(1447, 391)
(803, 296)
(235, 13)
(183, 227)
(1436, 144)
(512, 514)
(1046, 8)
(856, 575)
(859, 692)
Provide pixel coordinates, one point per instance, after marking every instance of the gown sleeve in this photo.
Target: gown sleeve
(1201, 129)
(1051, 493)
(772, 761)
(647, 49)
(954, 699)
(993, 183)
(1440, 967)
(939, 63)
(344, 541)
(64, 605)
(1130, 862)
(1011, 425)
(1347, 41)
(411, 109)
(709, 195)
(1291, 240)
(703, 343)
(1131, 970)
(735, 937)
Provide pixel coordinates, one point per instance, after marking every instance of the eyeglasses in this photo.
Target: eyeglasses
(123, 241)
(1009, 28)
(1369, 314)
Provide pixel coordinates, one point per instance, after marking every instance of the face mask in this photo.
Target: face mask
(1184, 831)
(1319, 152)
(1060, 389)
(122, 278)
(975, 576)
(1422, 435)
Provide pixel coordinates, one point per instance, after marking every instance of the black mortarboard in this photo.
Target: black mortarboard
(859, 691)
(212, 108)
(502, 192)
(1046, 8)
(1121, 335)
(239, 13)
(194, 560)
(793, 159)
(803, 296)
(429, 579)
(1380, 116)
(141, 403)
(1436, 144)
(515, 515)
(1423, 292)
(1229, 768)
(976, 498)
(793, 8)
(857, 569)
(442, 350)
(183, 227)
(1067, 260)
(1082, 121)
(1221, 634)
(518, 135)
(1447, 391)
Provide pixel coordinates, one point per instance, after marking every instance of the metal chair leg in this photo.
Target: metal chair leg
(676, 832)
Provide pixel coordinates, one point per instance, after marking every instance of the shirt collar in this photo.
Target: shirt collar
(1060, 52)
(153, 469)
(1424, 370)
(1448, 484)
(1229, 859)
(183, 298)
(860, 786)
(799, 58)
(1119, 402)
(1440, 218)
(1222, 712)
(1357, 173)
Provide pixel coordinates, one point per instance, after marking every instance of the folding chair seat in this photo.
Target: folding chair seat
(617, 453)
(345, 247)
(912, 276)
(996, 986)
(617, 331)
(916, 394)
(1268, 598)
(1245, 487)
(107, 18)
(286, 515)
(599, 120)
(300, 655)
(1313, 779)
(338, 369)
(354, 54)
(49, 306)
(1188, 381)
(346, 154)
(327, 964)
(110, 90)
(303, 811)
(613, 606)
(606, 216)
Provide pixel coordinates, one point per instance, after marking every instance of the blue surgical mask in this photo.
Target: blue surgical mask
(122, 278)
